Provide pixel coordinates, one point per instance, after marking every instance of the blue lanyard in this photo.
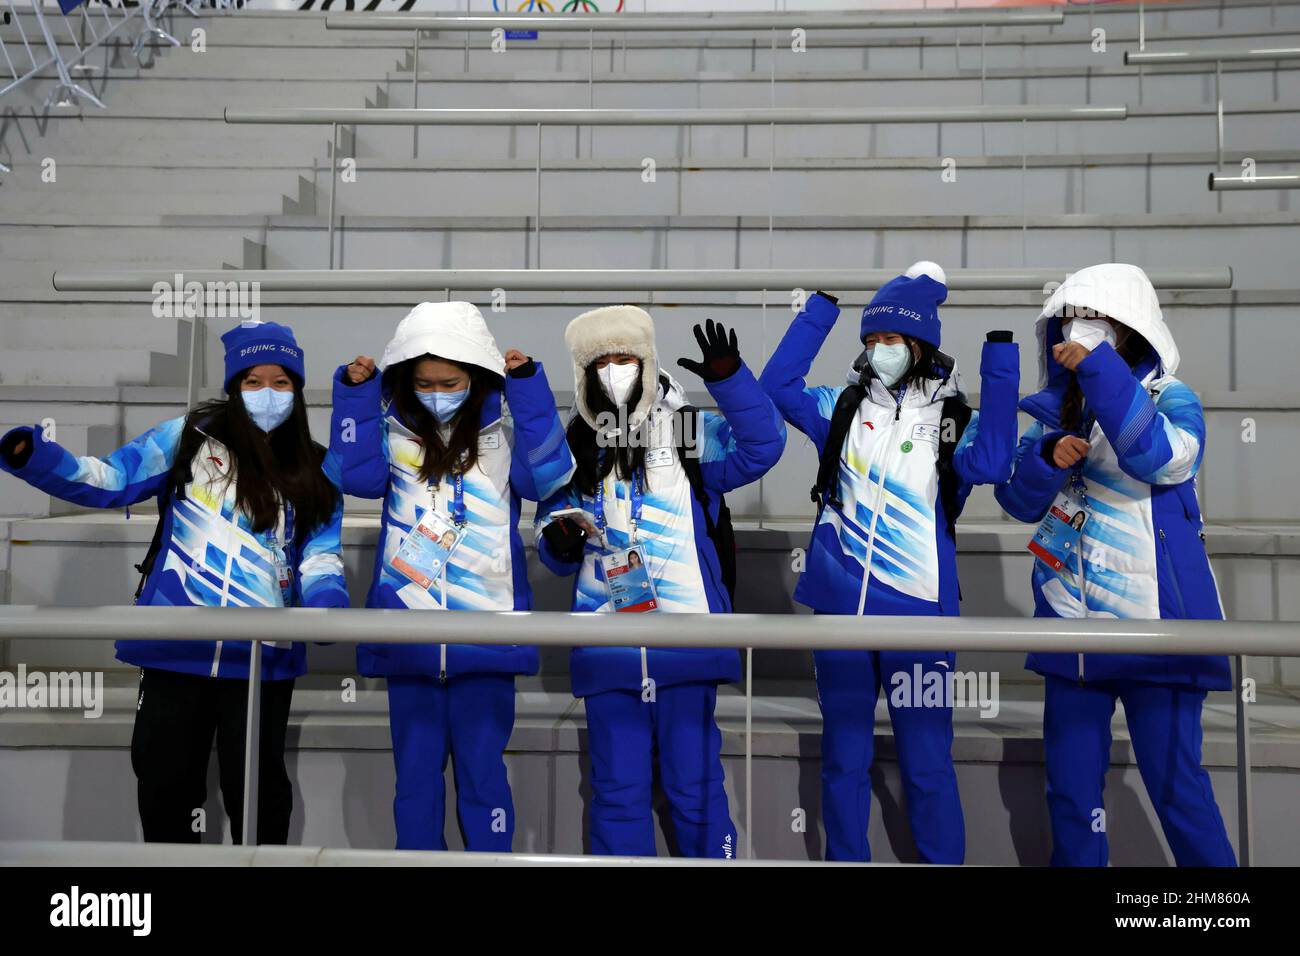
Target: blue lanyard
(636, 506)
(272, 540)
(457, 506)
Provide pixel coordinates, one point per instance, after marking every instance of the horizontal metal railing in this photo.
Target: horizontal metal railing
(1219, 183)
(707, 23)
(594, 280)
(747, 631)
(1180, 57)
(762, 116)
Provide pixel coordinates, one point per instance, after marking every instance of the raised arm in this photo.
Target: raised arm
(540, 462)
(986, 449)
(357, 435)
(807, 409)
(136, 471)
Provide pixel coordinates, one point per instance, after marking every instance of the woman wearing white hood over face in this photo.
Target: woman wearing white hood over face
(451, 436)
(1119, 438)
(638, 484)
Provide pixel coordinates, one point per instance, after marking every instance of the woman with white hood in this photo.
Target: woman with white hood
(899, 451)
(644, 527)
(1117, 437)
(451, 435)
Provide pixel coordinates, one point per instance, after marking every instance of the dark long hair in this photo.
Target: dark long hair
(1132, 347)
(283, 465)
(590, 466)
(460, 451)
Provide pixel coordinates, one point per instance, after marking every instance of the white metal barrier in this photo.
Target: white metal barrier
(741, 631)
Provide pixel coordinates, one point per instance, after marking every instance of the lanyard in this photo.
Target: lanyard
(272, 538)
(1076, 472)
(635, 516)
(457, 506)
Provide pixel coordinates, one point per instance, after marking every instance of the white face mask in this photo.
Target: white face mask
(617, 381)
(1090, 333)
(890, 362)
(268, 408)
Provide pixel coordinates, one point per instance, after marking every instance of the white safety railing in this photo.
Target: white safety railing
(1220, 183)
(740, 631)
(1217, 58)
(687, 23)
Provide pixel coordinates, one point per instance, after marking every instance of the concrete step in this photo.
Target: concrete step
(110, 367)
(1255, 245)
(1164, 185)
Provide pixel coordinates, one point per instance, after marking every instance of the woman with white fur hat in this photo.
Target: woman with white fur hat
(1117, 438)
(644, 518)
(451, 435)
(899, 452)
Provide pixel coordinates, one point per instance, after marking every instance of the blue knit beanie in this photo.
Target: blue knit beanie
(908, 304)
(262, 343)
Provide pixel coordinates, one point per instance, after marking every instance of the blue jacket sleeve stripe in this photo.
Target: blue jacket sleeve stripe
(1156, 444)
(1034, 483)
(320, 566)
(131, 474)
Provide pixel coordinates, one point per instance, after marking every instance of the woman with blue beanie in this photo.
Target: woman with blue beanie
(249, 516)
(1117, 440)
(451, 435)
(899, 451)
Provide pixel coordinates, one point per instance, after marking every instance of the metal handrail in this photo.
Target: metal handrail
(595, 280)
(781, 116)
(748, 631)
(1179, 57)
(587, 629)
(1218, 183)
(643, 23)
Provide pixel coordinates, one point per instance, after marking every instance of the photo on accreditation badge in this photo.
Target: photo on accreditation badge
(661, 437)
(628, 578)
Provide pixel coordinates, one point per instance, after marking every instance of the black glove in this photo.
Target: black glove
(721, 356)
(12, 440)
(525, 370)
(1001, 335)
(566, 539)
(834, 300)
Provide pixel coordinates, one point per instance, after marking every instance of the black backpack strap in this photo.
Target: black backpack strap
(846, 409)
(953, 419)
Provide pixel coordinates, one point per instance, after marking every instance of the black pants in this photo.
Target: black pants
(176, 719)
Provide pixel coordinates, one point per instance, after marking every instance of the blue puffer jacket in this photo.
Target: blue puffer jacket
(736, 447)
(522, 453)
(1143, 551)
(891, 515)
(211, 557)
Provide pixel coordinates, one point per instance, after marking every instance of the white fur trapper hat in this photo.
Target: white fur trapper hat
(609, 330)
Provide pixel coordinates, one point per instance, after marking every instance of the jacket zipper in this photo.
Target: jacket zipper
(225, 592)
(1173, 575)
(1083, 595)
(880, 495)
